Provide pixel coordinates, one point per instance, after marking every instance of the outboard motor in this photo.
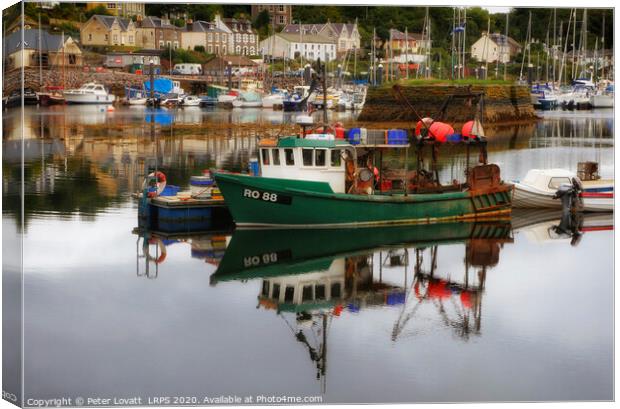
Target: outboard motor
(570, 196)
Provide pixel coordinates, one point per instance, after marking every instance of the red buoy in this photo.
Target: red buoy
(440, 131)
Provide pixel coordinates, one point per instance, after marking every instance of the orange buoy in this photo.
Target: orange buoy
(440, 131)
(466, 130)
(420, 125)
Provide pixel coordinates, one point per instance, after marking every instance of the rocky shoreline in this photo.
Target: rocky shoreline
(501, 103)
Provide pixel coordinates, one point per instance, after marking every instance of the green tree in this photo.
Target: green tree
(99, 10)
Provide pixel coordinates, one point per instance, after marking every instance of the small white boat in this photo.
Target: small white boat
(540, 185)
(191, 101)
(89, 93)
(603, 99)
(136, 101)
(272, 100)
(359, 99)
(248, 100)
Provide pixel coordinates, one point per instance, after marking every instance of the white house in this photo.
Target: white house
(346, 36)
(491, 48)
(310, 46)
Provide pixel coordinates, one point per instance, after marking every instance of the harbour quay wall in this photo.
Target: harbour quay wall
(73, 78)
(503, 103)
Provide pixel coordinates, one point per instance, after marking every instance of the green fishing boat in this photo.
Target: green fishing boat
(321, 182)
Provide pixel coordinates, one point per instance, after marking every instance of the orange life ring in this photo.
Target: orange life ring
(162, 249)
(161, 183)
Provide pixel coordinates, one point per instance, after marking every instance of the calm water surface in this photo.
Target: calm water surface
(503, 312)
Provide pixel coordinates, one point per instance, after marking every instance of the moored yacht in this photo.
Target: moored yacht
(89, 93)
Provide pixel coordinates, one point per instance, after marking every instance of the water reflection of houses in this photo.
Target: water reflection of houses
(311, 278)
(119, 152)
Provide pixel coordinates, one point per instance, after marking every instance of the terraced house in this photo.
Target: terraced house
(205, 34)
(346, 36)
(102, 30)
(242, 38)
(155, 33)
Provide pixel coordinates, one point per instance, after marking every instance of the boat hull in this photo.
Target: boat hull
(602, 101)
(259, 201)
(89, 98)
(593, 201)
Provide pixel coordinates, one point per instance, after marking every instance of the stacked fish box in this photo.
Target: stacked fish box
(396, 137)
(357, 136)
(376, 136)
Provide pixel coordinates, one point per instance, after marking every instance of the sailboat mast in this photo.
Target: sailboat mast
(555, 39)
(574, 45)
(407, 52)
(506, 49)
(40, 59)
(464, 37)
(603, 47)
(452, 49)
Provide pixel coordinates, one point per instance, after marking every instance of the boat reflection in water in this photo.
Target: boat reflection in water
(152, 248)
(312, 277)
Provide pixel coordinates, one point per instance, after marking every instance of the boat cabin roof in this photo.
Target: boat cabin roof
(548, 178)
(295, 142)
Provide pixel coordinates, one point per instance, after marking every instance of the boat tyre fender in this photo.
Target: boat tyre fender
(161, 183)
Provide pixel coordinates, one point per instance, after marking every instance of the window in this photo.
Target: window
(319, 291)
(90, 37)
(335, 158)
(276, 156)
(245, 38)
(307, 156)
(224, 50)
(289, 158)
(115, 38)
(238, 49)
(161, 43)
(111, 5)
(335, 293)
(276, 292)
(106, 37)
(210, 48)
(281, 7)
(238, 37)
(251, 38)
(288, 293)
(252, 51)
(555, 183)
(72, 59)
(306, 293)
(210, 37)
(223, 37)
(265, 156)
(130, 39)
(265, 291)
(217, 36)
(319, 157)
(281, 19)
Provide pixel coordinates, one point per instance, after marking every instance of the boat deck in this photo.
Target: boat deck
(175, 202)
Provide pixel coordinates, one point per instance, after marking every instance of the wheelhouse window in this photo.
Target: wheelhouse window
(265, 156)
(335, 290)
(319, 292)
(289, 157)
(555, 183)
(307, 155)
(289, 293)
(276, 292)
(319, 157)
(306, 294)
(265, 291)
(336, 158)
(276, 156)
